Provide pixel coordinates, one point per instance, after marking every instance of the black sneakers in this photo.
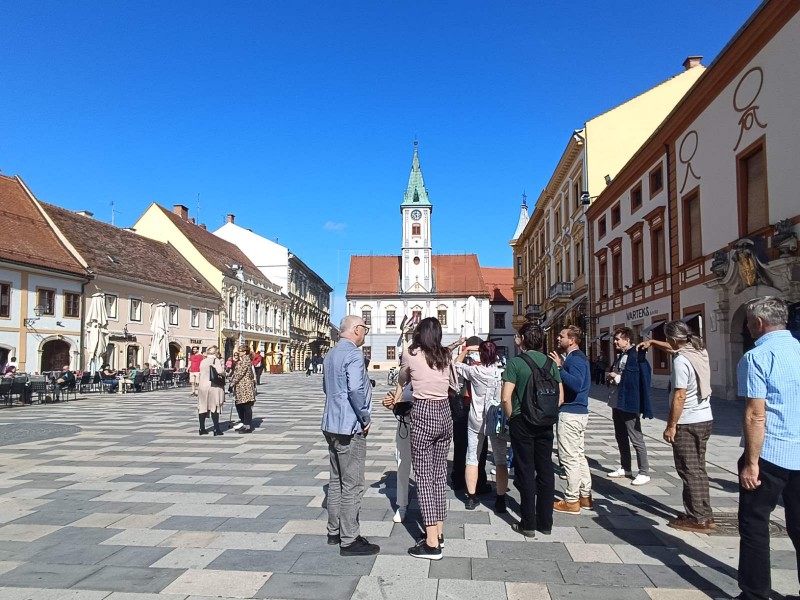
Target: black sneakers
(360, 547)
(334, 539)
(526, 532)
(423, 539)
(472, 502)
(500, 505)
(422, 550)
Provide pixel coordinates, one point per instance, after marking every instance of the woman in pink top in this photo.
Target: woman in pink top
(427, 366)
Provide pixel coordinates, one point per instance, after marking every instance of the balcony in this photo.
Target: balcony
(561, 290)
(533, 310)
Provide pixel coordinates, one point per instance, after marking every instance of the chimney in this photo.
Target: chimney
(84, 213)
(692, 61)
(191, 220)
(231, 218)
(181, 210)
(203, 226)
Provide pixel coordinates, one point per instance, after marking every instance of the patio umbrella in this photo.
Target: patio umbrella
(159, 326)
(96, 331)
(471, 317)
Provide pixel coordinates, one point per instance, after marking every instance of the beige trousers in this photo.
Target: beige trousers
(571, 430)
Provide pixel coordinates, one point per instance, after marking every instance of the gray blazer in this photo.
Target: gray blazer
(348, 392)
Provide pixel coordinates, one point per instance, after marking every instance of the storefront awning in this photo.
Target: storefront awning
(691, 316)
(602, 338)
(574, 303)
(654, 326)
(548, 322)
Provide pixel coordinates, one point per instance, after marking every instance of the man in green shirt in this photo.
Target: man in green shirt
(532, 444)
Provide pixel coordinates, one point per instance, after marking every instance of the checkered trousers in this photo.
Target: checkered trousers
(689, 452)
(431, 433)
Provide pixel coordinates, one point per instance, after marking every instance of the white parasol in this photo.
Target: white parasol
(471, 317)
(96, 331)
(159, 326)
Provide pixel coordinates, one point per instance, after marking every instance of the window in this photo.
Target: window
(636, 198)
(173, 314)
(416, 315)
(601, 227)
(578, 258)
(603, 278)
(366, 314)
(441, 315)
(567, 265)
(616, 271)
(752, 174)
(656, 180)
(136, 309)
(692, 241)
(657, 252)
(209, 319)
(196, 317)
(557, 223)
(616, 215)
(519, 265)
(72, 305)
(390, 317)
(5, 300)
(637, 252)
(519, 304)
(576, 192)
(367, 350)
(390, 352)
(416, 229)
(111, 306)
(499, 320)
(46, 299)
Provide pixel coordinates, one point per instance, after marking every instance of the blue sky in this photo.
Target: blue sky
(299, 117)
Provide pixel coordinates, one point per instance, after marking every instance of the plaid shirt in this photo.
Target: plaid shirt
(770, 371)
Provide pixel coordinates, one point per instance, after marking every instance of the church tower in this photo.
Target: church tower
(416, 209)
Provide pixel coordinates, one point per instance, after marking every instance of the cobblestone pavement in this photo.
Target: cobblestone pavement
(117, 497)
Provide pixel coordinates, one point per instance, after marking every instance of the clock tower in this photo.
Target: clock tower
(416, 210)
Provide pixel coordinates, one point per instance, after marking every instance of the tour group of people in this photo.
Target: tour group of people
(538, 398)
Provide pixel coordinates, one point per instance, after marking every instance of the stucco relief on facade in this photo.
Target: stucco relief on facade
(744, 101)
(688, 148)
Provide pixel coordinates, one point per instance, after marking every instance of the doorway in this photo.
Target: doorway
(55, 354)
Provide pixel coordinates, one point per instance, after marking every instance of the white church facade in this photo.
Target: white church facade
(390, 290)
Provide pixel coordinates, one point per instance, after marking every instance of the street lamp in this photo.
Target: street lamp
(38, 310)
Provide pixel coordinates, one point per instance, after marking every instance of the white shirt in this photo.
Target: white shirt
(684, 378)
(486, 383)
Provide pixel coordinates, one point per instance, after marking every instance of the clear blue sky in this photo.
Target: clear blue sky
(299, 117)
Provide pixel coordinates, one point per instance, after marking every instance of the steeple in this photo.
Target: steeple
(523, 218)
(416, 194)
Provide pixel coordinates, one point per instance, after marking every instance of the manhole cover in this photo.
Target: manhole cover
(728, 524)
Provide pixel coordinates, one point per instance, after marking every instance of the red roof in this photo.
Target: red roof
(500, 283)
(220, 253)
(453, 275)
(27, 236)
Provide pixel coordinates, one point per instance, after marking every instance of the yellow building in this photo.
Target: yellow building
(550, 248)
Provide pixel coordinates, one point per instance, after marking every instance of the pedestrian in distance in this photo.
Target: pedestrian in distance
(195, 358)
(211, 390)
(573, 418)
(769, 470)
(346, 420)
(308, 365)
(242, 381)
(258, 366)
(629, 400)
(427, 366)
(531, 395)
(484, 377)
(689, 423)
(602, 368)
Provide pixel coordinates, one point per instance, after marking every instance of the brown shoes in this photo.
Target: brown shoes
(586, 502)
(562, 506)
(685, 523)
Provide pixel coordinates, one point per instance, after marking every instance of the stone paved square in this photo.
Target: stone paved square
(110, 501)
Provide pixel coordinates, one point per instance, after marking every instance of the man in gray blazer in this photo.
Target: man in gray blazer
(345, 423)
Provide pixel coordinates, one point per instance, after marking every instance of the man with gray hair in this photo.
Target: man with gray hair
(345, 422)
(769, 469)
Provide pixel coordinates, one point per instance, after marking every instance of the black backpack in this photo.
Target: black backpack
(540, 401)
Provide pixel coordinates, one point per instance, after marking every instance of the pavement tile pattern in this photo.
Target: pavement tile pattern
(116, 497)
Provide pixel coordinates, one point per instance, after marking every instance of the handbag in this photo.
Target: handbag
(216, 378)
(400, 410)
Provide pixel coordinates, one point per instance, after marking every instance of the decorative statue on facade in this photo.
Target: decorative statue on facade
(720, 263)
(784, 238)
(750, 261)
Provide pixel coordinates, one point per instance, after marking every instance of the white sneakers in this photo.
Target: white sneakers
(619, 474)
(399, 515)
(638, 480)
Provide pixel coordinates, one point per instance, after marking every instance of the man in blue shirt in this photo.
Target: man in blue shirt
(769, 469)
(573, 417)
(345, 423)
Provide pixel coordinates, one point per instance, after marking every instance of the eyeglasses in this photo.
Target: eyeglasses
(366, 329)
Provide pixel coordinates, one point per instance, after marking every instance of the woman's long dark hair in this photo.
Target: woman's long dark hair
(428, 338)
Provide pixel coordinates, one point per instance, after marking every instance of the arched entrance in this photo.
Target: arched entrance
(741, 341)
(55, 354)
(174, 350)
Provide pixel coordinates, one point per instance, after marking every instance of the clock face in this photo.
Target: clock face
(416, 215)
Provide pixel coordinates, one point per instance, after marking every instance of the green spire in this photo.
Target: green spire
(416, 194)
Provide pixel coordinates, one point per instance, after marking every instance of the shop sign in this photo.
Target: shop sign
(195, 342)
(640, 313)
